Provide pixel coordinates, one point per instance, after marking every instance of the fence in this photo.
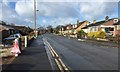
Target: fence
(114, 39)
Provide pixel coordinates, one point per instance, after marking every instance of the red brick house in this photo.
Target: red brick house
(117, 28)
(105, 25)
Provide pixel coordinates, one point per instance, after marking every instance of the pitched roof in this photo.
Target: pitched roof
(96, 24)
(6, 27)
(80, 23)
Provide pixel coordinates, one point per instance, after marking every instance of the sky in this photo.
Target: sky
(56, 12)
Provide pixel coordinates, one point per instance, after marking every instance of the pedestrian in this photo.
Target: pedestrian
(15, 49)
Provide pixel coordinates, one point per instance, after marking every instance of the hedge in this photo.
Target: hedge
(99, 34)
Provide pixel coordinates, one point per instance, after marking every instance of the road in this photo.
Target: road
(84, 55)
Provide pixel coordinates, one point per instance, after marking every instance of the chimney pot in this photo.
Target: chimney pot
(94, 21)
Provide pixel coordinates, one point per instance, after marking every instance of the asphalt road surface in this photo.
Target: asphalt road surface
(84, 55)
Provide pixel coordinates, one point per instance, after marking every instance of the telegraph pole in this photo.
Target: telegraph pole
(35, 19)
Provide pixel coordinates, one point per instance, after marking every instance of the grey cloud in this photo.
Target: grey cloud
(58, 9)
(97, 10)
(9, 15)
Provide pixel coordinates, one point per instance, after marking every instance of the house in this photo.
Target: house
(67, 29)
(93, 27)
(23, 30)
(74, 26)
(6, 31)
(81, 25)
(72, 29)
(60, 29)
(104, 25)
(117, 28)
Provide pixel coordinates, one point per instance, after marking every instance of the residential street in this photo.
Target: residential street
(59, 35)
(85, 55)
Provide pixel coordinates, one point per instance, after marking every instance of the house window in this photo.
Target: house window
(95, 29)
(118, 27)
(106, 29)
(109, 29)
(90, 29)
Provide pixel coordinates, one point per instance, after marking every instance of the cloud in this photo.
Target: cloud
(63, 21)
(56, 13)
(63, 0)
(0, 11)
(24, 8)
(9, 15)
(58, 9)
(7, 12)
(98, 10)
(44, 21)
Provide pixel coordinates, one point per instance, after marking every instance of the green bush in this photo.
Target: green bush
(91, 34)
(99, 34)
(81, 34)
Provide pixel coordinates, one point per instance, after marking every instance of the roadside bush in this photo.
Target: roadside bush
(57, 32)
(91, 34)
(99, 34)
(81, 34)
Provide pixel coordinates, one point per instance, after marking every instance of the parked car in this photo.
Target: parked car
(11, 38)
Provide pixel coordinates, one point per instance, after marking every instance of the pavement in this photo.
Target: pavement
(33, 57)
(85, 55)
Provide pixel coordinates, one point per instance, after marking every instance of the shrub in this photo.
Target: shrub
(99, 34)
(91, 34)
(81, 34)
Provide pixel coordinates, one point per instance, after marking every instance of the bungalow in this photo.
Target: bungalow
(94, 27)
(105, 25)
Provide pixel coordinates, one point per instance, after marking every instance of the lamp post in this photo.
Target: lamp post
(35, 19)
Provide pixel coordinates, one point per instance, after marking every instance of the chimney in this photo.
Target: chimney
(106, 18)
(77, 22)
(94, 21)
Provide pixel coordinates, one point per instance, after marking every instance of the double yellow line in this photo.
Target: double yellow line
(62, 67)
